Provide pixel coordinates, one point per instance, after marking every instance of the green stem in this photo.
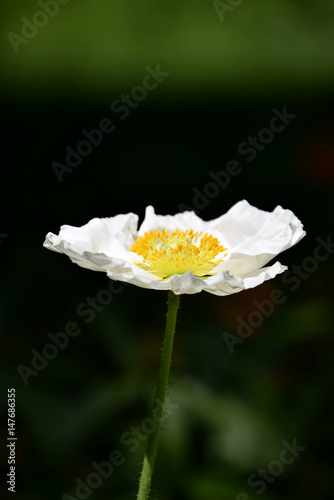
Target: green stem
(159, 398)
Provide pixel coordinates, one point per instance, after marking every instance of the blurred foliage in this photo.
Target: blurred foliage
(233, 409)
(102, 45)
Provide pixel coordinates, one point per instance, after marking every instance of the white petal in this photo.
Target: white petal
(181, 221)
(178, 283)
(226, 283)
(254, 237)
(97, 243)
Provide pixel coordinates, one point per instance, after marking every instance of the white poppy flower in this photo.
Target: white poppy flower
(182, 252)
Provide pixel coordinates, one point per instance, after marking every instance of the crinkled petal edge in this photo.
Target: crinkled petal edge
(224, 283)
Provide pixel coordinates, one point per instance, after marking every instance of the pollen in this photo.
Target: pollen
(165, 253)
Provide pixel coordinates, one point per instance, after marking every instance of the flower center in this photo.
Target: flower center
(165, 253)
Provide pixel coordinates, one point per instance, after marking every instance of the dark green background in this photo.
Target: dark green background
(234, 410)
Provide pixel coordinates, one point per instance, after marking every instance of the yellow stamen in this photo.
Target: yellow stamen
(165, 253)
